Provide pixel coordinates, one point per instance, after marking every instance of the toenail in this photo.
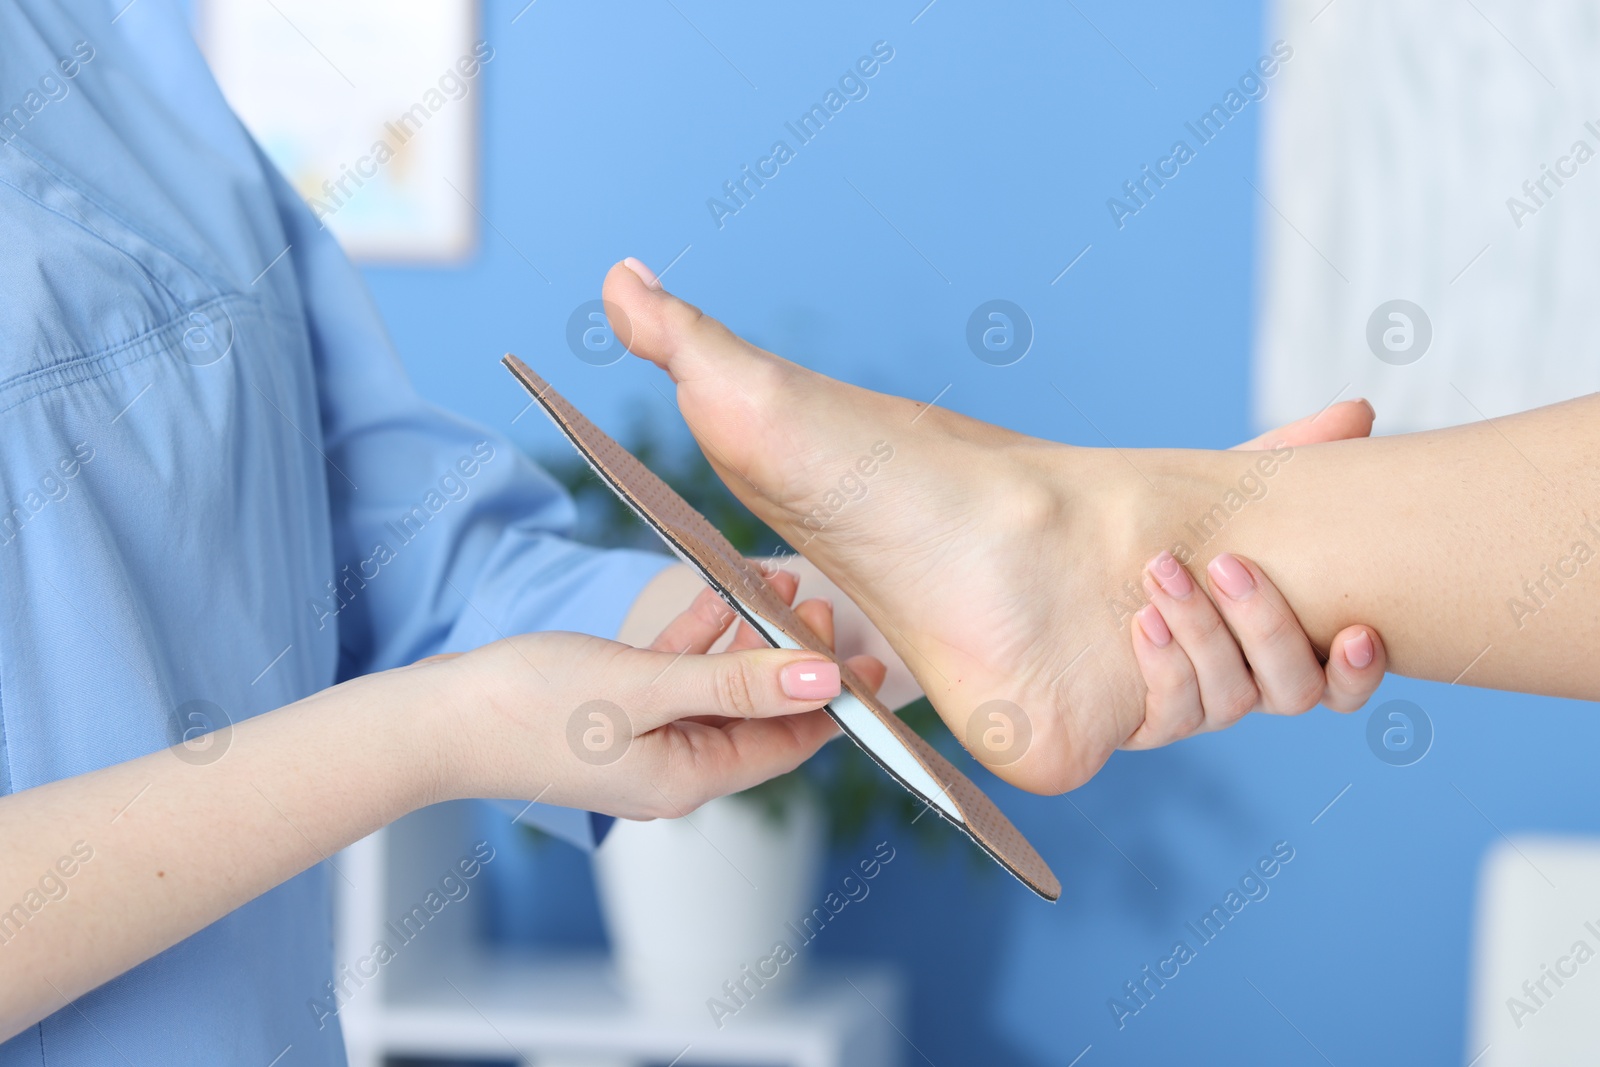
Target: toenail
(645, 274)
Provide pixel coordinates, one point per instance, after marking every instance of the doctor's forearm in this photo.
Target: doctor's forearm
(1470, 549)
(161, 846)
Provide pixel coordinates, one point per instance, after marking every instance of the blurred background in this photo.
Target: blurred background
(1366, 220)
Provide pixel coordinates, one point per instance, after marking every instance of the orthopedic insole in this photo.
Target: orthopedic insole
(880, 733)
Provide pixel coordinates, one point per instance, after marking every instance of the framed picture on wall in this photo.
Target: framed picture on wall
(370, 109)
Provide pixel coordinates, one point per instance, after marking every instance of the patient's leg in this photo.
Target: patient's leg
(1003, 567)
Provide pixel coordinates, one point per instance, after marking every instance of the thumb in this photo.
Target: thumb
(753, 684)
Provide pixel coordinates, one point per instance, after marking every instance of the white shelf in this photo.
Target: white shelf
(444, 996)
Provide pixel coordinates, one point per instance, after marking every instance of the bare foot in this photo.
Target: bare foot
(1003, 569)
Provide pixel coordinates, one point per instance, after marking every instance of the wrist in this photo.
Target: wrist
(415, 723)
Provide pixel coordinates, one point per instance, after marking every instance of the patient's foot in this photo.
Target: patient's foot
(969, 546)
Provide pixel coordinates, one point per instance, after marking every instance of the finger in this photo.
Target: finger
(871, 670)
(1356, 662)
(747, 637)
(711, 761)
(1287, 670)
(1336, 422)
(786, 584)
(697, 627)
(818, 614)
(757, 683)
(1227, 691)
(1172, 701)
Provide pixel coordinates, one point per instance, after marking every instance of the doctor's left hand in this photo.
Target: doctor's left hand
(638, 733)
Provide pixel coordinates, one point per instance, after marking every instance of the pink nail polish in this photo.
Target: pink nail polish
(1170, 576)
(1231, 577)
(1358, 650)
(815, 679)
(1154, 626)
(645, 274)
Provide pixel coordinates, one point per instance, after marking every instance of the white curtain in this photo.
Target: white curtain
(1392, 142)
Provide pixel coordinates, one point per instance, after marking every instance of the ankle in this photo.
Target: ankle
(1104, 493)
(1040, 486)
(1122, 507)
(1199, 499)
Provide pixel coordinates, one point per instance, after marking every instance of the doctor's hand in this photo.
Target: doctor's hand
(638, 733)
(1212, 653)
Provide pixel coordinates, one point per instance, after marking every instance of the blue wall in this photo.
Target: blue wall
(991, 142)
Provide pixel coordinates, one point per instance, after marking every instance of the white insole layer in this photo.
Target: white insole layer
(873, 734)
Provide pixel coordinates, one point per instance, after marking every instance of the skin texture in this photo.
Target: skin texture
(999, 566)
(175, 844)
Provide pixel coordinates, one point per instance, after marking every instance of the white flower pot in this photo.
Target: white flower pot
(695, 905)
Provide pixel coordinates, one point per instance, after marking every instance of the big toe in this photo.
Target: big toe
(674, 334)
(729, 392)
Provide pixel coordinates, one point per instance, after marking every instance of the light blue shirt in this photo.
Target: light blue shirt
(218, 492)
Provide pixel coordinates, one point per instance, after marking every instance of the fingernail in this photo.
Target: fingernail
(1154, 626)
(814, 679)
(1231, 577)
(1358, 650)
(1170, 575)
(1370, 409)
(645, 274)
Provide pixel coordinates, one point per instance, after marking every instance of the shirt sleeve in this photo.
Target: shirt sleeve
(446, 535)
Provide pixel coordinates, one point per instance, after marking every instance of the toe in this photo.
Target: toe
(733, 396)
(671, 333)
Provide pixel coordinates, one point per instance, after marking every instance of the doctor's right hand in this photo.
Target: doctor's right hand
(638, 733)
